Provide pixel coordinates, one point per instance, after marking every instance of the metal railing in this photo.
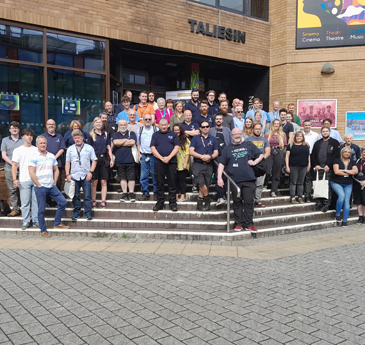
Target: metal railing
(229, 196)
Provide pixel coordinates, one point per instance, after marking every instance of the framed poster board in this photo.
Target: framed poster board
(316, 110)
(355, 124)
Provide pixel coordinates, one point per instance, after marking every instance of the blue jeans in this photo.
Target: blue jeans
(57, 196)
(76, 202)
(28, 201)
(145, 173)
(343, 192)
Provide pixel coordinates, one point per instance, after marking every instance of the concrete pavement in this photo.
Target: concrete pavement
(306, 288)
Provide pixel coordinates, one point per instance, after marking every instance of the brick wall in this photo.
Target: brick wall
(157, 22)
(296, 74)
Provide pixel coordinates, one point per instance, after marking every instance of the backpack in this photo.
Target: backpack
(4, 208)
(141, 130)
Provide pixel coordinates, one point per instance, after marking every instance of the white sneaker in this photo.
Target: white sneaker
(221, 201)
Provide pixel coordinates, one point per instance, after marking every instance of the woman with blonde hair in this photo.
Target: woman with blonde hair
(278, 142)
(101, 142)
(248, 127)
(68, 135)
(341, 182)
(297, 162)
(178, 117)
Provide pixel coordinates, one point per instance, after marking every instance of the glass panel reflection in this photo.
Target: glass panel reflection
(69, 51)
(236, 5)
(21, 44)
(86, 88)
(26, 82)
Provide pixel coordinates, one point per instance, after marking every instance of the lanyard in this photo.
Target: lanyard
(361, 165)
(78, 152)
(164, 113)
(206, 150)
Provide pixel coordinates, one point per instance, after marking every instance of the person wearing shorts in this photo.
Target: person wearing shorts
(123, 142)
(204, 149)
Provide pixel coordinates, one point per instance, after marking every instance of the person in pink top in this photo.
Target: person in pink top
(162, 112)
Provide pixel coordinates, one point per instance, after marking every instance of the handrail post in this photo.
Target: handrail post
(228, 206)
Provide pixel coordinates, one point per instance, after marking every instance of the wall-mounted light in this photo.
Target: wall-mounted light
(327, 68)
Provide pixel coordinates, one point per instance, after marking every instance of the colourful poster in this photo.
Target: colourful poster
(330, 23)
(115, 97)
(355, 124)
(316, 110)
(70, 106)
(9, 102)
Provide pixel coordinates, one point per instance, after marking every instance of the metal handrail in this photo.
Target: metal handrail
(229, 196)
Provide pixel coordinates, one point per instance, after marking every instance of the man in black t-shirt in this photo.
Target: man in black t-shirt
(223, 136)
(237, 159)
(165, 146)
(288, 128)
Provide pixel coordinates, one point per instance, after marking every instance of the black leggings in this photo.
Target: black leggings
(274, 165)
(181, 181)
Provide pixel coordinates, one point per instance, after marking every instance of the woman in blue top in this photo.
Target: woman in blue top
(68, 135)
(341, 183)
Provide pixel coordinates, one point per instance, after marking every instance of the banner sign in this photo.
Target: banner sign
(180, 95)
(70, 106)
(355, 124)
(316, 110)
(9, 102)
(330, 23)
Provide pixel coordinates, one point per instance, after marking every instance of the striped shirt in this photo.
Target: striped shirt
(43, 168)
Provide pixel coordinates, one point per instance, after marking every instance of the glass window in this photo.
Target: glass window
(236, 5)
(69, 51)
(25, 82)
(207, 2)
(21, 44)
(259, 9)
(86, 88)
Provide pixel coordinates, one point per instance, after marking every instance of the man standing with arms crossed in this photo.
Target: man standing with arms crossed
(44, 173)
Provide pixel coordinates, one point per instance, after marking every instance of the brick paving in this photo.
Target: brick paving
(78, 297)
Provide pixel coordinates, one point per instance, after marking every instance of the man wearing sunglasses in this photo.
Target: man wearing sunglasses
(204, 149)
(238, 118)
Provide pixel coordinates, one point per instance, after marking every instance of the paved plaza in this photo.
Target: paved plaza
(305, 288)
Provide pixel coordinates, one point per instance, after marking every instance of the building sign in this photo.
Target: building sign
(217, 31)
(330, 23)
(355, 124)
(70, 106)
(316, 110)
(9, 102)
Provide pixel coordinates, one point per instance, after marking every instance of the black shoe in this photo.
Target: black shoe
(173, 208)
(158, 207)
(317, 207)
(308, 198)
(338, 219)
(324, 209)
(206, 206)
(360, 220)
(344, 224)
(199, 206)
(363, 221)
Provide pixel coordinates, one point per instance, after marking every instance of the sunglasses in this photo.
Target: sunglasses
(204, 126)
(239, 112)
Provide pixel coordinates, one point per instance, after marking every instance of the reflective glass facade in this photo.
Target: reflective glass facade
(45, 69)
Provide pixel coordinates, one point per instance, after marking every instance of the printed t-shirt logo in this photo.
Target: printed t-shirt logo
(239, 153)
(259, 144)
(170, 137)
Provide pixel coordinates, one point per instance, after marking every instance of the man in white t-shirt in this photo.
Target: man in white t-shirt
(44, 172)
(25, 184)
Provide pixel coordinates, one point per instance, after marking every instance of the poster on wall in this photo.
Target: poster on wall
(70, 106)
(180, 95)
(9, 102)
(316, 110)
(115, 97)
(355, 124)
(330, 23)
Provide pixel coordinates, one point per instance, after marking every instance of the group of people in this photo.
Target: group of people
(208, 140)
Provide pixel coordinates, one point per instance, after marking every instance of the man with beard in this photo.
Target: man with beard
(106, 127)
(204, 149)
(213, 105)
(151, 100)
(325, 151)
(227, 119)
(108, 109)
(237, 160)
(334, 133)
(264, 146)
(165, 146)
(204, 114)
(55, 145)
(223, 136)
(223, 97)
(194, 105)
(288, 128)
